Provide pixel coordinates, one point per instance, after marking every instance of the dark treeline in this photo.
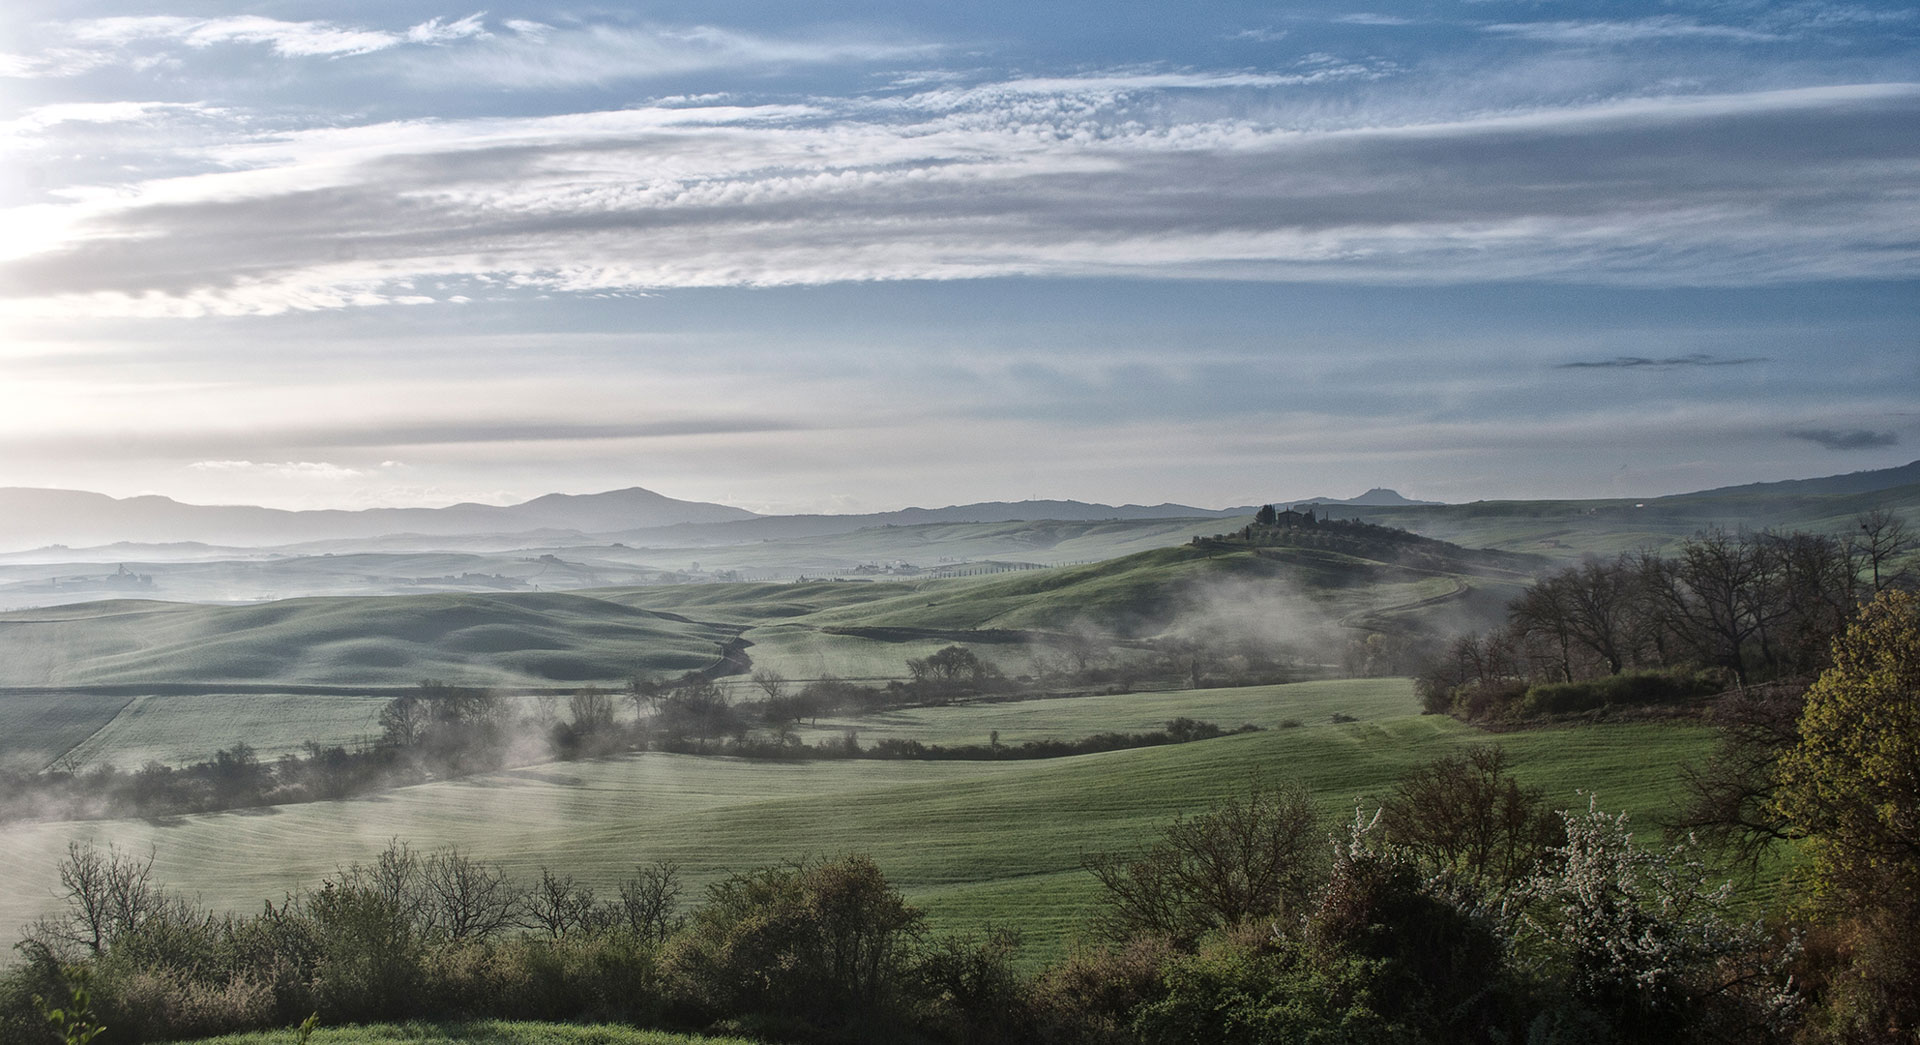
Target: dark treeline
(441, 731)
(1727, 610)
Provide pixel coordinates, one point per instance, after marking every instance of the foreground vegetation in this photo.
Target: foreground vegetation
(1460, 908)
(971, 842)
(475, 1032)
(1238, 925)
(1470, 895)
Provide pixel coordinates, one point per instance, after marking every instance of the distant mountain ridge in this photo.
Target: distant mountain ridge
(33, 518)
(1378, 497)
(1850, 483)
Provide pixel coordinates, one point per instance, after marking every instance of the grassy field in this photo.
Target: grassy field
(181, 728)
(1309, 601)
(1068, 718)
(1569, 529)
(38, 726)
(973, 842)
(802, 652)
(504, 639)
(479, 1032)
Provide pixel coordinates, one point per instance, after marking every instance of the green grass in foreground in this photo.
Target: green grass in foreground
(478, 1032)
(972, 842)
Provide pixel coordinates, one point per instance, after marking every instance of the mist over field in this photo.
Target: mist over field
(963, 524)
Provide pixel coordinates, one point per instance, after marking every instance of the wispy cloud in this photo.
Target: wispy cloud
(1372, 18)
(1065, 176)
(1696, 359)
(289, 39)
(45, 117)
(1630, 31)
(322, 470)
(1850, 439)
(536, 55)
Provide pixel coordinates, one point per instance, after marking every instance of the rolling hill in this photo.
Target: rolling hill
(521, 639)
(974, 842)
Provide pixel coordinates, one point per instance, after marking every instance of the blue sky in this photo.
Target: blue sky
(853, 256)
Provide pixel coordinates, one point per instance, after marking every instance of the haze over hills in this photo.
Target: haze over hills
(154, 528)
(35, 517)
(1378, 496)
(31, 518)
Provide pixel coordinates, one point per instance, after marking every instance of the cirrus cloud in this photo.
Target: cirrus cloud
(1055, 179)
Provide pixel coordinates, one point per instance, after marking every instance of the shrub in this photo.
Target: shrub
(609, 975)
(797, 948)
(1090, 998)
(369, 962)
(1255, 987)
(1428, 953)
(1638, 940)
(1630, 689)
(973, 993)
(1251, 858)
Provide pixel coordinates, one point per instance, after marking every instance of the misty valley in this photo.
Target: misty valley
(987, 777)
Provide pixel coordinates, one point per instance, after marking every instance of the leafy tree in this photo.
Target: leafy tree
(1851, 786)
(1252, 988)
(75, 1023)
(954, 667)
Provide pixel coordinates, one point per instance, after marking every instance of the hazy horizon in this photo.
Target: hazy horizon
(853, 259)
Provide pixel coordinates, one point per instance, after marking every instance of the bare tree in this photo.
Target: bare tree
(559, 906)
(468, 900)
(1730, 796)
(107, 895)
(591, 710)
(695, 707)
(404, 720)
(771, 683)
(648, 901)
(1880, 540)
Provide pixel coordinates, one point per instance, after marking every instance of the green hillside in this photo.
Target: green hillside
(1151, 592)
(504, 639)
(973, 841)
(126, 681)
(1569, 529)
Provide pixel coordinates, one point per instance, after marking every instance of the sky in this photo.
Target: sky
(855, 255)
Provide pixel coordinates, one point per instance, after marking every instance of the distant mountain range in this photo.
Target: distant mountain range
(35, 518)
(31, 518)
(1377, 497)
